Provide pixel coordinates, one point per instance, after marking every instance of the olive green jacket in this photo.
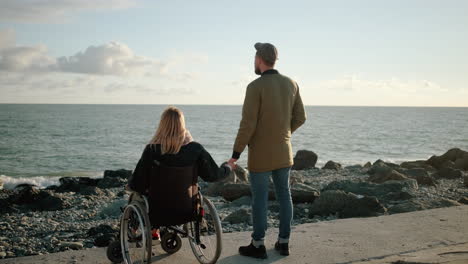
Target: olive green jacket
(272, 111)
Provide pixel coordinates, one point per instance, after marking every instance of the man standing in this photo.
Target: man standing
(272, 111)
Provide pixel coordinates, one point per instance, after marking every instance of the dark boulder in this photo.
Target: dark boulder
(243, 201)
(346, 205)
(37, 200)
(331, 165)
(240, 216)
(392, 175)
(463, 200)
(449, 173)
(462, 163)
(75, 184)
(304, 159)
(421, 176)
(122, 173)
(455, 158)
(418, 205)
(91, 190)
(242, 175)
(108, 182)
(302, 193)
(104, 240)
(417, 164)
(101, 229)
(373, 189)
(234, 191)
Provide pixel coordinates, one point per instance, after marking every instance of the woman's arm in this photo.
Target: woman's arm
(208, 170)
(139, 181)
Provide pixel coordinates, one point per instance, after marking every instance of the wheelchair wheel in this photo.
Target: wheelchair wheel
(114, 252)
(209, 230)
(171, 242)
(135, 236)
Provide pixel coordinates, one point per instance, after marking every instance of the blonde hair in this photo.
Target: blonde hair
(171, 131)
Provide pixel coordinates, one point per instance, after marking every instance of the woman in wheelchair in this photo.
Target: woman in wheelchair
(166, 175)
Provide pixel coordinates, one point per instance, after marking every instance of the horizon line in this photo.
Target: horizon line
(110, 104)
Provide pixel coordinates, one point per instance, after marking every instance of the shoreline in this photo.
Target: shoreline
(83, 212)
(389, 239)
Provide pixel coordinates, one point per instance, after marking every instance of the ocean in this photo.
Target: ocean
(41, 143)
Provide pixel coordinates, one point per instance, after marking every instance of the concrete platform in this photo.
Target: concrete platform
(432, 236)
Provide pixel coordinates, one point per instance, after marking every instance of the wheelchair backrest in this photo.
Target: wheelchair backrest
(173, 189)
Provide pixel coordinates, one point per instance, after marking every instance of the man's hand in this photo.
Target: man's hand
(232, 163)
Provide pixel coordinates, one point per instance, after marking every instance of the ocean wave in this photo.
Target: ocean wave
(43, 181)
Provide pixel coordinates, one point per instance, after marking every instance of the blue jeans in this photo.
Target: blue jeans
(259, 184)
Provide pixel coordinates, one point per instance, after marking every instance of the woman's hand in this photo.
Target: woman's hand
(232, 163)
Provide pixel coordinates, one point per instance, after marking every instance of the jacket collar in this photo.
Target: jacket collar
(270, 71)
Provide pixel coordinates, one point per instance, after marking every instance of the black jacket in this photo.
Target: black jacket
(189, 155)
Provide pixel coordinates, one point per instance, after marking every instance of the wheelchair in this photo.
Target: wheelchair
(202, 229)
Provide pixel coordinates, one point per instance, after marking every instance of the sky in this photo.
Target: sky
(348, 52)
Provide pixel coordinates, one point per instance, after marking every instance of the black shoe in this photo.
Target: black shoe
(283, 248)
(254, 252)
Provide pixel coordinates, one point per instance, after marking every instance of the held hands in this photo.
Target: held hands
(232, 163)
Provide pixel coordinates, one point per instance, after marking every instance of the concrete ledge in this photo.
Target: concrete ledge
(432, 236)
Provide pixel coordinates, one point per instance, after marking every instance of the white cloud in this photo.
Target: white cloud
(113, 58)
(25, 58)
(43, 11)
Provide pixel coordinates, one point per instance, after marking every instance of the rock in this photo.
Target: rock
(462, 163)
(302, 193)
(388, 176)
(331, 165)
(113, 208)
(367, 165)
(3, 255)
(122, 174)
(418, 205)
(242, 175)
(398, 196)
(49, 203)
(109, 182)
(346, 205)
(452, 155)
(34, 199)
(421, 176)
(421, 164)
(71, 245)
(465, 180)
(243, 201)
(104, 240)
(374, 189)
(91, 190)
(463, 200)
(449, 173)
(101, 229)
(234, 191)
(240, 216)
(304, 159)
(75, 184)
(354, 167)
(426, 180)
(1, 188)
(379, 167)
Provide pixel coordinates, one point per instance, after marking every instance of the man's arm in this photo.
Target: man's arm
(248, 123)
(298, 113)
